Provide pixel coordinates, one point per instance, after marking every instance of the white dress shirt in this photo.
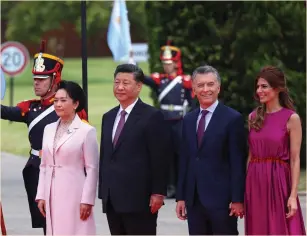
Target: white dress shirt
(128, 110)
(211, 109)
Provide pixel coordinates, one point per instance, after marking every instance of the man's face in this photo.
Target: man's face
(126, 89)
(41, 86)
(206, 88)
(169, 68)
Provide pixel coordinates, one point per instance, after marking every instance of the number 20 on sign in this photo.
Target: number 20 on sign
(14, 60)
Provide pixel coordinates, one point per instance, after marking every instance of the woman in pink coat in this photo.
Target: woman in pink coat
(69, 167)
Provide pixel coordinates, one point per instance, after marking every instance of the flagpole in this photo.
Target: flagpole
(84, 52)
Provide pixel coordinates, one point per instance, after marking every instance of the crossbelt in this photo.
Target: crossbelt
(172, 107)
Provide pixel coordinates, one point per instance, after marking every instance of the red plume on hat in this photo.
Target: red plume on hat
(43, 46)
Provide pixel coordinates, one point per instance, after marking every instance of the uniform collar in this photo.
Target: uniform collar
(170, 76)
(47, 102)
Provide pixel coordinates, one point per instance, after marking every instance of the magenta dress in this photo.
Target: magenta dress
(268, 181)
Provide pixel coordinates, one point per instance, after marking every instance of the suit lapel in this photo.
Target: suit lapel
(192, 128)
(214, 121)
(133, 117)
(70, 132)
(52, 135)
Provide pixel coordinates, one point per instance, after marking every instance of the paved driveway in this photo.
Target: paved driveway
(17, 217)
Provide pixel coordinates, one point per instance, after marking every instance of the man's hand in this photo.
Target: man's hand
(181, 210)
(42, 207)
(156, 201)
(85, 211)
(236, 209)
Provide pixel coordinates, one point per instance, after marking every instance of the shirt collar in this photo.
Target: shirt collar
(211, 108)
(129, 108)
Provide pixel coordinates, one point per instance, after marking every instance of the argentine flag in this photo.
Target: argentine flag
(119, 39)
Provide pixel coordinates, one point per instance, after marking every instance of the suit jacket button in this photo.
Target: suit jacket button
(197, 158)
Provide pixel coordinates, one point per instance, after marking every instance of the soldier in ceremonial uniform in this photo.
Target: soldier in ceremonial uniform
(37, 113)
(174, 92)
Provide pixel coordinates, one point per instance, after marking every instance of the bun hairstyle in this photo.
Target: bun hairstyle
(276, 79)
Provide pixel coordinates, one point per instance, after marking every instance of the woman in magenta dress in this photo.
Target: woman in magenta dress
(271, 201)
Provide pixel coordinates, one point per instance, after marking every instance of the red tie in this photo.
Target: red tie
(119, 126)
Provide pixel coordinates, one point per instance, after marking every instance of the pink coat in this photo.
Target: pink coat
(63, 193)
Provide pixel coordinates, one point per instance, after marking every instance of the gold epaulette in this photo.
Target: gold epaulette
(85, 121)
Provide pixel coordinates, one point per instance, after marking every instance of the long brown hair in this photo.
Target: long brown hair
(276, 79)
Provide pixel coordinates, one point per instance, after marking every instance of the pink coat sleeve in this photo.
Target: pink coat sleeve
(40, 195)
(91, 159)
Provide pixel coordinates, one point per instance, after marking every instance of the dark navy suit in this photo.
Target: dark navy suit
(212, 175)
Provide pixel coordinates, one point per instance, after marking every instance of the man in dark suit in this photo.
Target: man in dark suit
(212, 161)
(134, 157)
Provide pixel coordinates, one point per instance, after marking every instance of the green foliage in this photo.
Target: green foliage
(28, 20)
(238, 38)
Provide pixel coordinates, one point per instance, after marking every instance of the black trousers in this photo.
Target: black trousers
(176, 129)
(206, 221)
(31, 176)
(134, 223)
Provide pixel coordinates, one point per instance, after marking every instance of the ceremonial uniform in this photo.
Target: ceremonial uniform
(175, 99)
(36, 114)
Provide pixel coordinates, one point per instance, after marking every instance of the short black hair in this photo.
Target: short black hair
(74, 91)
(130, 68)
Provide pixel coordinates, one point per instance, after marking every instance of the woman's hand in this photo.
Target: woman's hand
(85, 211)
(42, 207)
(292, 207)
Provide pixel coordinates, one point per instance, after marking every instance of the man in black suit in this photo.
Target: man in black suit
(134, 157)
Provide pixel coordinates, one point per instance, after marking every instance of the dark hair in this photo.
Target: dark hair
(130, 68)
(276, 79)
(74, 91)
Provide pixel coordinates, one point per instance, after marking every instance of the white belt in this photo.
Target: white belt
(172, 107)
(35, 152)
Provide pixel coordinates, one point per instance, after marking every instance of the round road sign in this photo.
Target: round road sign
(14, 58)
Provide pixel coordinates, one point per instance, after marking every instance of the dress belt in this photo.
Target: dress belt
(268, 159)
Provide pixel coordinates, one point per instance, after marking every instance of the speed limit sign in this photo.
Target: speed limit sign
(14, 58)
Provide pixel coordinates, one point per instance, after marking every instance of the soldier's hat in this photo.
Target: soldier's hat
(47, 65)
(170, 53)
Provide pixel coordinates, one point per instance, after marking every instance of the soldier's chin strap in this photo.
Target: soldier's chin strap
(50, 87)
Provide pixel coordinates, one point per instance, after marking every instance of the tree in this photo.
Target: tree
(29, 20)
(238, 38)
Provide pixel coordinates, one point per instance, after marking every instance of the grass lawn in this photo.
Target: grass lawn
(100, 99)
